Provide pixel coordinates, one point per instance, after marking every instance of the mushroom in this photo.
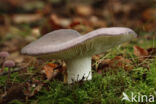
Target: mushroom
(3, 56)
(9, 64)
(77, 50)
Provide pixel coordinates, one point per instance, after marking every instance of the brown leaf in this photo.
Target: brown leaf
(26, 18)
(152, 51)
(121, 62)
(81, 24)
(35, 32)
(149, 14)
(106, 61)
(14, 92)
(49, 70)
(52, 65)
(30, 93)
(150, 26)
(55, 22)
(74, 23)
(14, 2)
(115, 63)
(140, 52)
(104, 65)
(1, 70)
(84, 10)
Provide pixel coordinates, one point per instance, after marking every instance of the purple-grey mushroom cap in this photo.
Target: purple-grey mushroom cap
(4, 54)
(68, 43)
(9, 63)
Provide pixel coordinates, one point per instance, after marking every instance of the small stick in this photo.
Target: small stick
(15, 70)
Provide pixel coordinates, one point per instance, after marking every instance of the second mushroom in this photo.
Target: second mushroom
(76, 49)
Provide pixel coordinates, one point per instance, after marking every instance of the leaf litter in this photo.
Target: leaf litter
(83, 18)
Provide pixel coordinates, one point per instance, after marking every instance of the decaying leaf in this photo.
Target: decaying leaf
(140, 52)
(55, 22)
(49, 70)
(115, 63)
(26, 18)
(14, 92)
(36, 89)
(149, 14)
(121, 62)
(152, 51)
(84, 10)
(74, 23)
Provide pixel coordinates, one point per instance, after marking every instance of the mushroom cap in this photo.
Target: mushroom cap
(67, 43)
(9, 63)
(4, 54)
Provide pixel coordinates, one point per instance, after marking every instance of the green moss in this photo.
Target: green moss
(101, 90)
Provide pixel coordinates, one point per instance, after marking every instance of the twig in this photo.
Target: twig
(15, 70)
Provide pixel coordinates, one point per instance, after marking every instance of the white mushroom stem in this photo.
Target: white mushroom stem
(79, 69)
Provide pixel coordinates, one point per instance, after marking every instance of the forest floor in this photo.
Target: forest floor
(128, 68)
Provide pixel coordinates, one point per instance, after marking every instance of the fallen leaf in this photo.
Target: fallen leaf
(55, 22)
(140, 52)
(84, 10)
(80, 24)
(49, 70)
(150, 26)
(52, 65)
(152, 51)
(65, 22)
(14, 92)
(74, 23)
(149, 14)
(121, 62)
(14, 2)
(26, 18)
(1, 70)
(115, 63)
(35, 32)
(96, 22)
(36, 89)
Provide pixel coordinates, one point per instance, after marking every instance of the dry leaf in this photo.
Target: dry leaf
(14, 92)
(30, 93)
(150, 26)
(15, 2)
(115, 63)
(84, 10)
(52, 65)
(55, 22)
(65, 22)
(49, 70)
(1, 70)
(149, 14)
(140, 52)
(121, 62)
(26, 18)
(74, 23)
(35, 32)
(152, 51)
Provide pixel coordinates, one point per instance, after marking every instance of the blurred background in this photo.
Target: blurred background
(22, 21)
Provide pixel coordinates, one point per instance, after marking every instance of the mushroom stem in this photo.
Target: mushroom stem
(79, 69)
